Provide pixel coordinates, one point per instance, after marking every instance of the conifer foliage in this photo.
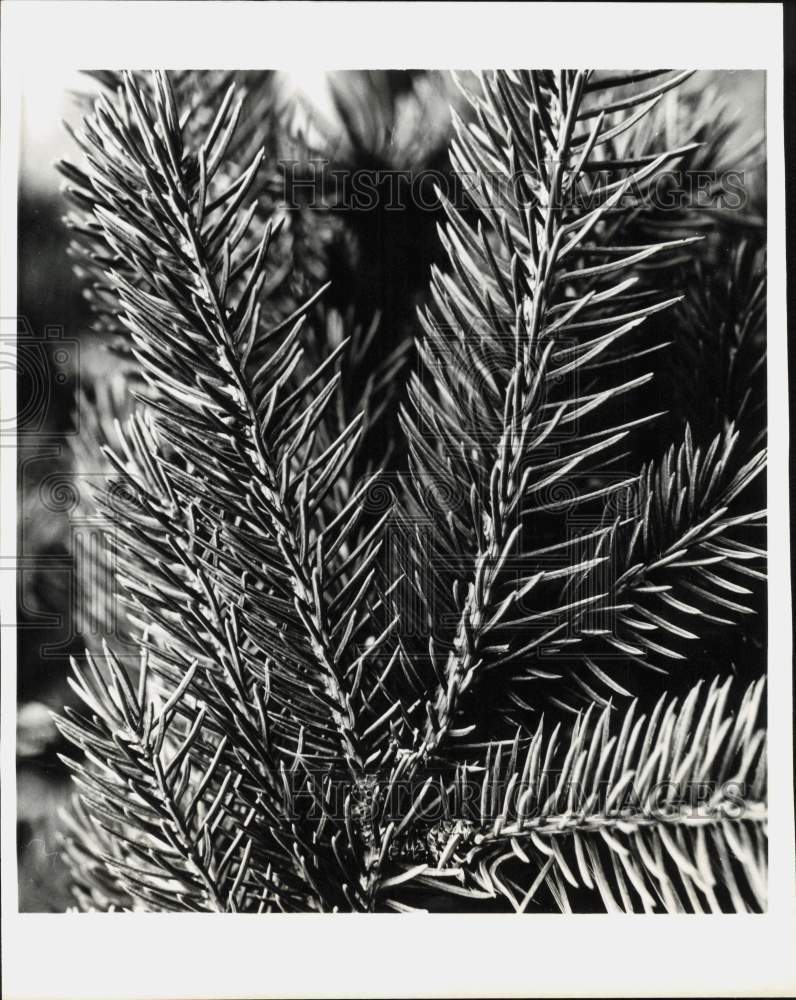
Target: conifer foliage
(497, 678)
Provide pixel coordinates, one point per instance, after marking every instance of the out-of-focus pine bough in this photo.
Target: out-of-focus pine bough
(491, 680)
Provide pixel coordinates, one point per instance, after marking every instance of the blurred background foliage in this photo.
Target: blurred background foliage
(319, 131)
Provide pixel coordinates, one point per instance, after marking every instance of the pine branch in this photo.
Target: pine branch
(665, 811)
(676, 562)
(212, 398)
(225, 530)
(205, 98)
(167, 816)
(510, 375)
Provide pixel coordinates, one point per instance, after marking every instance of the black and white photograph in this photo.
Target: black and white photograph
(392, 499)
